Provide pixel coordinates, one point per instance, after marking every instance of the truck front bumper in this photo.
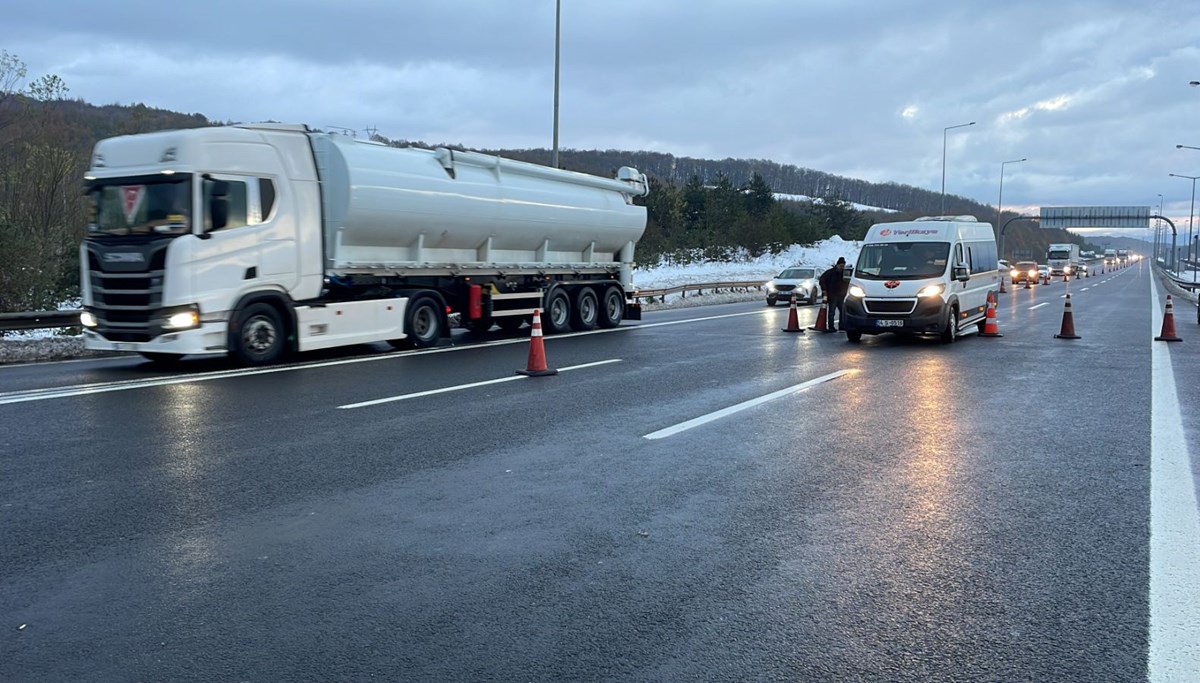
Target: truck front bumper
(208, 338)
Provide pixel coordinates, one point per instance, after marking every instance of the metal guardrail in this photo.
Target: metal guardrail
(36, 320)
(699, 288)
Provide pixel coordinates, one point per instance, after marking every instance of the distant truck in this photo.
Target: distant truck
(259, 240)
(1110, 257)
(1123, 256)
(1062, 259)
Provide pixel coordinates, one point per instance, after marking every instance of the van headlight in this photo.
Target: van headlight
(856, 291)
(931, 290)
(88, 319)
(183, 318)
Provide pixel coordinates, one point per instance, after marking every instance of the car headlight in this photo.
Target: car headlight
(1033, 273)
(88, 319)
(182, 318)
(1015, 273)
(931, 290)
(771, 286)
(856, 291)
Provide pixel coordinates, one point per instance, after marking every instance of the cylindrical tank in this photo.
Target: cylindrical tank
(407, 207)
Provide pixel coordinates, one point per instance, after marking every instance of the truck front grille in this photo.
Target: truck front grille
(127, 294)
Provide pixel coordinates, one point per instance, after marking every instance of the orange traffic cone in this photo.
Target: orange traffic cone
(1027, 283)
(793, 324)
(1066, 278)
(1168, 326)
(820, 325)
(1068, 323)
(990, 327)
(1002, 290)
(537, 351)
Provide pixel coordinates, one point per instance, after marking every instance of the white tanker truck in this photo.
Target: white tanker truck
(259, 240)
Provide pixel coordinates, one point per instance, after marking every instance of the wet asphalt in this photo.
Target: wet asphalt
(975, 512)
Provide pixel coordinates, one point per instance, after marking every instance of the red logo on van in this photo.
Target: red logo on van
(892, 284)
(885, 232)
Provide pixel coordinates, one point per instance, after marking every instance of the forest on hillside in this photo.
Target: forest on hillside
(697, 208)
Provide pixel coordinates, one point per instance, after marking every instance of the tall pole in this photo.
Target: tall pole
(1191, 217)
(944, 131)
(1000, 202)
(557, 42)
(1158, 229)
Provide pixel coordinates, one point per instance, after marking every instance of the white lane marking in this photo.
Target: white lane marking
(1174, 528)
(1044, 303)
(125, 385)
(1084, 289)
(472, 385)
(725, 412)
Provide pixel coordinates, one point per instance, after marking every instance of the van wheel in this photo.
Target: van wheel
(259, 336)
(951, 330)
(853, 336)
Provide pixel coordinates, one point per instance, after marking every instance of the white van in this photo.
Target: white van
(928, 276)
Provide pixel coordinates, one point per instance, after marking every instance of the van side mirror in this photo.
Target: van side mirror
(960, 274)
(847, 272)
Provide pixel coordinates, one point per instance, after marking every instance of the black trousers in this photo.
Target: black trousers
(835, 308)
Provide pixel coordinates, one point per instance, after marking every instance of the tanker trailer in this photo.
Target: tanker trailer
(263, 239)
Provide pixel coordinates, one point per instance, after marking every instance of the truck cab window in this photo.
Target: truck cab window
(266, 196)
(237, 201)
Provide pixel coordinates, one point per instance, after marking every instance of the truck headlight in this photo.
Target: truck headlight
(931, 290)
(182, 318)
(88, 319)
(856, 291)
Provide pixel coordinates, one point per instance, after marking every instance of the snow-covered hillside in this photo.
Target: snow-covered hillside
(820, 255)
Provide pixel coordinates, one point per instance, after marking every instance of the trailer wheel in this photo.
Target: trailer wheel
(557, 316)
(612, 308)
(586, 311)
(423, 323)
(259, 337)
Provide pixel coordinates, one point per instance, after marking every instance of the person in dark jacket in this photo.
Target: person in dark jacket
(834, 286)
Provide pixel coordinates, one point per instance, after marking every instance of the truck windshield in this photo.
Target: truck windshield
(145, 205)
(902, 260)
(1059, 255)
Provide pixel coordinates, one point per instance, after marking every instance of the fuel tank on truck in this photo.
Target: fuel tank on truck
(392, 209)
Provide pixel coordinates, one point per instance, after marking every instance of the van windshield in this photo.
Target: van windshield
(902, 260)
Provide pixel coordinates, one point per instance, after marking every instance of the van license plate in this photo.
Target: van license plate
(889, 323)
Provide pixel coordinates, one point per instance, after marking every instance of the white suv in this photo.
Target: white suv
(798, 280)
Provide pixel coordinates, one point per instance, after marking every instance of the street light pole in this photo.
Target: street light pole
(1000, 202)
(1191, 216)
(944, 131)
(557, 41)
(1158, 229)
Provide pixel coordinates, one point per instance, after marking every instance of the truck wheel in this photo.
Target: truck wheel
(556, 318)
(612, 308)
(259, 337)
(586, 311)
(951, 330)
(423, 323)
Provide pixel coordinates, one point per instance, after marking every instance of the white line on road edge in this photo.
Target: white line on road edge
(724, 412)
(1174, 529)
(472, 385)
(1044, 303)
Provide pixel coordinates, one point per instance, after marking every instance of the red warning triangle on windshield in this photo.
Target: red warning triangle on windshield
(131, 199)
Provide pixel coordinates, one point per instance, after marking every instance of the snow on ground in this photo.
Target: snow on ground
(818, 200)
(821, 255)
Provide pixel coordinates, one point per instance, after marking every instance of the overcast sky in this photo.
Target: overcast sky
(1094, 93)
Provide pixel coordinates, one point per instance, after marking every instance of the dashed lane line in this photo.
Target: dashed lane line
(725, 412)
(461, 387)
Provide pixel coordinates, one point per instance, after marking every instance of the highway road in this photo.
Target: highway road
(698, 496)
